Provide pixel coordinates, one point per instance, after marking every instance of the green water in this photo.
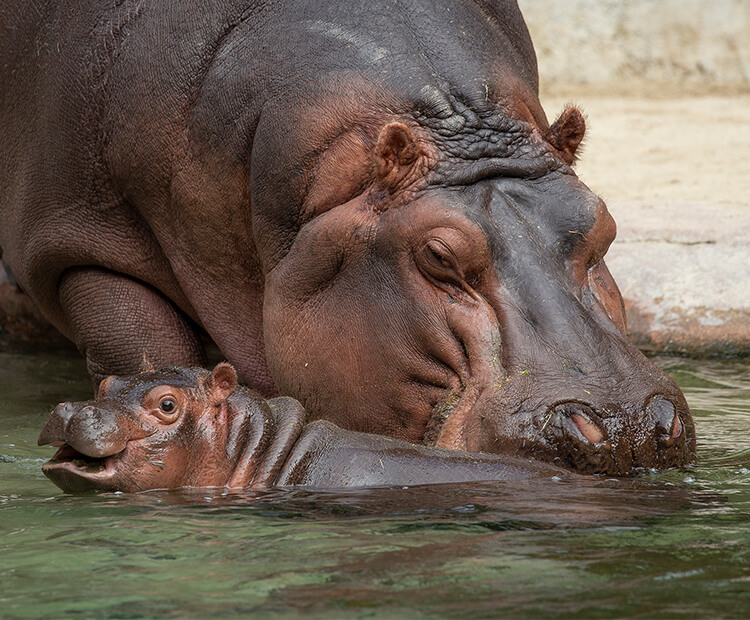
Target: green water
(672, 545)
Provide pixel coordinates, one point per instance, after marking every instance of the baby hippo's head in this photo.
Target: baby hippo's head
(155, 430)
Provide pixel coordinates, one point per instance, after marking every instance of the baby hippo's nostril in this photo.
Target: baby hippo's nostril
(663, 413)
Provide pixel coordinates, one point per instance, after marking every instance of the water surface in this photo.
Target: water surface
(669, 545)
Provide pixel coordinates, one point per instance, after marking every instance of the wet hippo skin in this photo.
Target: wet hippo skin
(184, 427)
(363, 205)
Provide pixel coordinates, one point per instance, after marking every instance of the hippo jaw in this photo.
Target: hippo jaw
(76, 472)
(91, 444)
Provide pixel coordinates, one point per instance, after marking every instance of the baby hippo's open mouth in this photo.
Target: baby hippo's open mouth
(70, 458)
(76, 472)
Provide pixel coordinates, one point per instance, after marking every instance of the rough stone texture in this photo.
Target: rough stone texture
(640, 41)
(684, 271)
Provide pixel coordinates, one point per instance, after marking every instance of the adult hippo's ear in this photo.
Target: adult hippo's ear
(566, 133)
(396, 153)
(222, 383)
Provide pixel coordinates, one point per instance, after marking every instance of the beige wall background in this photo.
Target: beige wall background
(693, 44)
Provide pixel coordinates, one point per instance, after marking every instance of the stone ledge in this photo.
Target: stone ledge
(684, 272)
(640, 42)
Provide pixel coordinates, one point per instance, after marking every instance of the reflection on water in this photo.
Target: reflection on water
(675, 544)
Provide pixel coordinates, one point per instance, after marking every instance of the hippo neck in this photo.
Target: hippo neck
(268, 430)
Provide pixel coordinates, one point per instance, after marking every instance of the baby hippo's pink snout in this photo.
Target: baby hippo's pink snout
(89, 429)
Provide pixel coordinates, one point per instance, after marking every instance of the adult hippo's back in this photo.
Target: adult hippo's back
(364, 206)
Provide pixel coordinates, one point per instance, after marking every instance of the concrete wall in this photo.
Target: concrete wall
(616, 42)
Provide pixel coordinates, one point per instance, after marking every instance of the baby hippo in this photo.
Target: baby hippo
(181, 427)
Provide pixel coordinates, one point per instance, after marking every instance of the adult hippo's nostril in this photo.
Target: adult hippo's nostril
(665, 416)
(615, 440)
(575, 435)
(584, 419)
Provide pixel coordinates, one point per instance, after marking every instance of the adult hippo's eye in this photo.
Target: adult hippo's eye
(439, 262)
(439, 253)
(452, 259)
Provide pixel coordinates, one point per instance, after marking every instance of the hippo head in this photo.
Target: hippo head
(447, 285)
(163, 429)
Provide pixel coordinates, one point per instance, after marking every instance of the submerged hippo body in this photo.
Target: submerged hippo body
(184, 427)
(364, 207)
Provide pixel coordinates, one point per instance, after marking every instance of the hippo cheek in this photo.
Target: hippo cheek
(457, 423)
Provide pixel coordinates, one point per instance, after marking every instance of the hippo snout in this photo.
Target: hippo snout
(89, 429)
(614, 441)
(53, 433)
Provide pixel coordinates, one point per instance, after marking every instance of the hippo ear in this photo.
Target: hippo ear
(395, 154)
(222, 383)
(146, 365)
(105, 385)
(566, 133)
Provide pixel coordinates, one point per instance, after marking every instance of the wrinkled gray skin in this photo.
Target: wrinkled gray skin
(221, 435)
(363, 205)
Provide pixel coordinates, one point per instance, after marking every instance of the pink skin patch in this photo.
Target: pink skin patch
(588, 429)
(676, 426)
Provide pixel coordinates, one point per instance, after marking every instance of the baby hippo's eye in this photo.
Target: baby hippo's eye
(167, 405)
(164, 402)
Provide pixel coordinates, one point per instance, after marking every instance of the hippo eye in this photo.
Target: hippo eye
(439, 254)
(167, 405)
(439, 263)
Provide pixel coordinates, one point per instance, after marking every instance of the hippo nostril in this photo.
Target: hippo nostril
(588, 429)
(584, 419)
(677, 426)
(665, 416)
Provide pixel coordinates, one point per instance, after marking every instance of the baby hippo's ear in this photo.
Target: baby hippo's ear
(222, 383)
(146, 365)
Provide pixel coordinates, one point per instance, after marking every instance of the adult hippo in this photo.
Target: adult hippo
(364, 207)
(182, 427)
